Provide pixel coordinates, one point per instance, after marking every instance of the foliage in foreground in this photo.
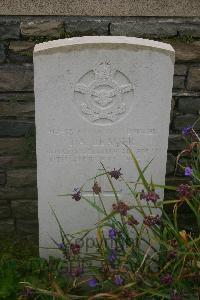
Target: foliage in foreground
(136, 254)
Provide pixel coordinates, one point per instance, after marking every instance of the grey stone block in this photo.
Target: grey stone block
(21, 177)
(23, 209)
(190, 30)
(86, 26)
(9, 28)
(8, 162)
(17, 109)
(16, 78)
(176, 142)
(14, 193)
(189, 105)
(180, 70)
(170, 167)
(11, 146)
(11, 128)
(193, 80)
(2, 53)
(187, 52)
(7, 226)
(143, 27)
(27, 226)
(183, 121)
(179, 82)
(2, 178)
(5, 211)
(45, 27)
(14, 97)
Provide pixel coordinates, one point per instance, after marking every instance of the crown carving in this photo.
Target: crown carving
(103, 71)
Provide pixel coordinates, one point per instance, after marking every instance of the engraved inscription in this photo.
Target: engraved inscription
(81, 148)
(103, 95)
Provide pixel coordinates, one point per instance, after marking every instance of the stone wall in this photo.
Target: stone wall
(18, 192)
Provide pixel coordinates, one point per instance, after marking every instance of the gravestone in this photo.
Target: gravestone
(93, 95)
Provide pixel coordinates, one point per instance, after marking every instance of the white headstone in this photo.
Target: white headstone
(93, 95)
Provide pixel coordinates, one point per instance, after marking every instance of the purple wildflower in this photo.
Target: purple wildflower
(186, 130)
(121, 208)
(77, 272)
(152, 220)
(61, 246)
(92, 282)
(167, 279)
(76, 195)
(112, 233)
(118, 280)
(185, 191)
(150, 196)
(75, 248)
(115, 173)
(171, 255)
(112, 257)
(188, 171)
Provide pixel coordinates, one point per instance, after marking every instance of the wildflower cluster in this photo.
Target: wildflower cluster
(77, 194)
(152, 220)
(121, 208)
(121, 264)
(149, 196)
(185, 191)
(115, 173)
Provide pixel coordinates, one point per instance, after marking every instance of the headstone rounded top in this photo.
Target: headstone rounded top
(109, 41)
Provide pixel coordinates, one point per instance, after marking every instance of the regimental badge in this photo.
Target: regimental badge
(103, 95)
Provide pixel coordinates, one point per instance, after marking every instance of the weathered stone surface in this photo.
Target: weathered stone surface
(9, 28)
(50, 28)
(21, 46)
(117, 67)
(10, 128)
(179, 82)
(189, 105)
(103, 8)
(185, 120)
(11, 145)
(16, 78)
(193, 80)
(21, 51)
(27, 226)
(17, 109)
(2, 177)
(176, 142)
(180, 69)
(170, 167)
(19, 161)
(143, 27)
(86, 26)
(2, 53)
(4, 211)
(21, 177)
(6, 226)
(14, 97)
(23, 209)
(187, 52)
(11, 193)
(190, 30)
